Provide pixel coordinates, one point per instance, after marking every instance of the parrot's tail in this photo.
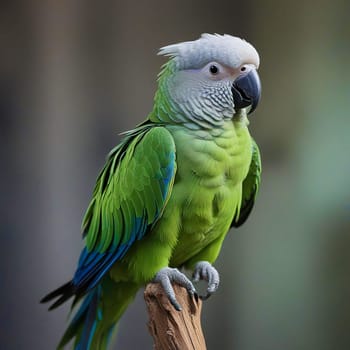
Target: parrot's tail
(94, 323)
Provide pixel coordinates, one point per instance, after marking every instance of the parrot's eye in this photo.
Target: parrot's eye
(214, 69)
(244, 68)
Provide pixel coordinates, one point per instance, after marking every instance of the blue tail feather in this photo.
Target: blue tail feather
(84, 322)
(95, 320)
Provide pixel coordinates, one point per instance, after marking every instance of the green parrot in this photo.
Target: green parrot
(171, 190)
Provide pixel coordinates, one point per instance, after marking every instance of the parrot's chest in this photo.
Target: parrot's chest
(208, 183)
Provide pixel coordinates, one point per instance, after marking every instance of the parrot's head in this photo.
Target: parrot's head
(209, 80)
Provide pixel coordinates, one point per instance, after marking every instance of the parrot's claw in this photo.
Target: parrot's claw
(205, 271)
(166, 276)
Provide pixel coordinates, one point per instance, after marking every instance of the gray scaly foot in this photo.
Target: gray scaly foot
(205, 271)
(166, 276)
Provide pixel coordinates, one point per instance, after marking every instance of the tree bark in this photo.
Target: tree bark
(172, 329)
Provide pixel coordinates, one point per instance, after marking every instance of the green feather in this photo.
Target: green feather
(138, 164)
(250, 187)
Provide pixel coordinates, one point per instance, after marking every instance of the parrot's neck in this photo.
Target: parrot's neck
(159, 115)
(228, 129)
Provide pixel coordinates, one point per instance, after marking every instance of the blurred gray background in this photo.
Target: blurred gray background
(74, 74)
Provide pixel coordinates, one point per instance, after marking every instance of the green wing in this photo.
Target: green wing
(250, 187)
(129, 197)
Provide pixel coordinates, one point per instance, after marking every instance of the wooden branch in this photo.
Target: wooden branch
(172, 329)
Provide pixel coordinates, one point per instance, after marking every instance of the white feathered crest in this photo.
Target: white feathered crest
(227, 49)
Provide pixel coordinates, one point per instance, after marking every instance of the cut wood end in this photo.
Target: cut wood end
(172, 329)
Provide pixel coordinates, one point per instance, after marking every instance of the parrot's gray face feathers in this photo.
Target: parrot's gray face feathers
(211, 78)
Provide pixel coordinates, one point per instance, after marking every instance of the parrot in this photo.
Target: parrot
(171, 190)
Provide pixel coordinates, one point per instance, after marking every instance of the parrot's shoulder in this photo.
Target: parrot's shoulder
(148, 137)
(159, 138)
(146, 134)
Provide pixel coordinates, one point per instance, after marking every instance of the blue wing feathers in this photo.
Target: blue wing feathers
(93, 265)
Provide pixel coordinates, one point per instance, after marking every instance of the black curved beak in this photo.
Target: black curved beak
(246, 90)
